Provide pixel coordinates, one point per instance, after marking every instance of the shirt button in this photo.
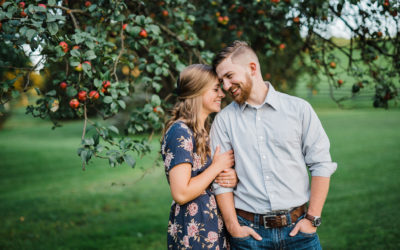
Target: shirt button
(263, 156)
(267, 177)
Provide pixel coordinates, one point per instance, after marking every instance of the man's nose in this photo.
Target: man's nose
(226, 85)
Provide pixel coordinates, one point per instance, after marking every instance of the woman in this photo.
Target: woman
(195, 221)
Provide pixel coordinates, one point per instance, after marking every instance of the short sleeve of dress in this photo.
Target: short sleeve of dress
(177, 146)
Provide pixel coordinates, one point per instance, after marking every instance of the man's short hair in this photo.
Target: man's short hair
(235, 49)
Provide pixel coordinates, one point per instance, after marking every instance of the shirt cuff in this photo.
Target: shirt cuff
(220, 190)
(324, 169)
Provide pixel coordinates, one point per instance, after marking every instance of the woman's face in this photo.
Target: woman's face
(211, 99)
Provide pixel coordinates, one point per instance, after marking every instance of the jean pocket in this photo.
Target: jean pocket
(241, 238)
(243, 222)
(308, 235)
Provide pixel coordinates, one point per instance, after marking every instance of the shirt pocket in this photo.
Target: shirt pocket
(286, 143)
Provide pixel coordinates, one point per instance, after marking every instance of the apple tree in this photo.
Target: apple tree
(98, 55)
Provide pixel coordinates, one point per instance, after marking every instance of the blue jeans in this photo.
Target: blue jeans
(275, 238)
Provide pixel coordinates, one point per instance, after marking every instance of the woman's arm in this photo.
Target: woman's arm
(184, 188)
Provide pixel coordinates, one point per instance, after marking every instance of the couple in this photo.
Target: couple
(274, 137)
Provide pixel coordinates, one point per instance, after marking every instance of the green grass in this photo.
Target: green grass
(48, 202)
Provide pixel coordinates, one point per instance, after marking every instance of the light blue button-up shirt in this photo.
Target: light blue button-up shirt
(273, 143)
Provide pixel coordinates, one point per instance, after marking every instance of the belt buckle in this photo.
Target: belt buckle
(282, 217)
(265, 218)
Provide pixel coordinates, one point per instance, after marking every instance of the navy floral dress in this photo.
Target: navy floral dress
(198, 223)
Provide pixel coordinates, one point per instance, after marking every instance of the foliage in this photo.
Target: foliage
(98, 54)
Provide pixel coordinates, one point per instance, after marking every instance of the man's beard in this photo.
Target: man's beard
(245, 89)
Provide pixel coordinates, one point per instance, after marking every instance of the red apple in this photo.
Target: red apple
(23, 14)
(103, 90)
(106, 84)
(63, 85)
(379, 34)
(124, 26)
(143, 33)
(333, 65)
(340, 82)
(165, 13)
(74, 103)
(22, 5)
(94, 95)
(87, 4)
(42, 5)
(75, 47)
(296, 19)
(82, 95)
(64, 46)
(87, 62)
(282, 46)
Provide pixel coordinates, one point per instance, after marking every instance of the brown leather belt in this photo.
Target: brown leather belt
(274, 219)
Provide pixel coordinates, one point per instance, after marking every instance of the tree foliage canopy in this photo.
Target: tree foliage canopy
(97, 55)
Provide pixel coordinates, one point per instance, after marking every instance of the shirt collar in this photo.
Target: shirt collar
(272, 98)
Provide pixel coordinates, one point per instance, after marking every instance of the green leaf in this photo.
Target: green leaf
(90, 55)
(53, 28)
(129, 160)
(158, 71)
(135, 30)
(51, 93)
(113, 129)
(122, 104)
(71, 92)
(76, 53)
(153, 28)
(15, 93)
(30, 33)
(120, 18)
(84, 155)
(92, 7)
(107, 99)
(155, 100)
(87, 68)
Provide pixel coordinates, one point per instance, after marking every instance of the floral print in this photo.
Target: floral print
(198, 223)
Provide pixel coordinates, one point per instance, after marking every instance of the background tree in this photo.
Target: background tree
(102, 55)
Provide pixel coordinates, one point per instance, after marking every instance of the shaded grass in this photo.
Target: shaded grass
(48, 202)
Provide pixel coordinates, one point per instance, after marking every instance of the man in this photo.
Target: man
(275, 137)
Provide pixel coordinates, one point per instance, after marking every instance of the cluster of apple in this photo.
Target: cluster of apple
(222, 19)
(142, 33)
(277, 1)
(83, 95)
(22, 6)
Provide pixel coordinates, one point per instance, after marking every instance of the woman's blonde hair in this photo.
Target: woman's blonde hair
(193, 81)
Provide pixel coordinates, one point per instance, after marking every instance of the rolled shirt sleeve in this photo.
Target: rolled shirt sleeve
(219, 137)
(315, 145)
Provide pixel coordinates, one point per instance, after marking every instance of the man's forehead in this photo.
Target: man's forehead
(224, 67)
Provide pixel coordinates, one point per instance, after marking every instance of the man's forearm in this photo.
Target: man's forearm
(319, 192)
(227, 207)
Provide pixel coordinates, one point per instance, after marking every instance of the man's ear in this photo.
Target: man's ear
(253, 68)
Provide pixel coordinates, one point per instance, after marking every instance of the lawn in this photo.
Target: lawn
(48, 202)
